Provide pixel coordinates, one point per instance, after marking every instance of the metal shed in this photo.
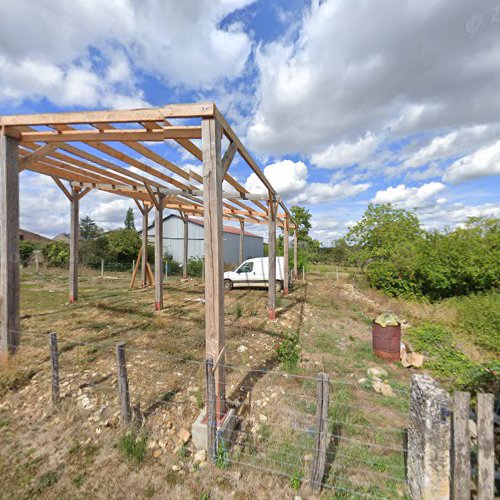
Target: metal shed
(173, 240)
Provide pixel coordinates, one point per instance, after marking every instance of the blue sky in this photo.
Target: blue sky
(342, 102)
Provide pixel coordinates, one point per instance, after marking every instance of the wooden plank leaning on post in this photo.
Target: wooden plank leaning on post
(123, 393)
(485, 447)
(321, 439)
(272, 258)
(54, 360)
(461, 447)
(211, 410)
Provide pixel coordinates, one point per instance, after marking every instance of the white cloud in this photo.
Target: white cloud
(344, 154)
(86, 52)
(410, 197)
(290, 180)
(485, 161)
(455, 214)
(382, 67)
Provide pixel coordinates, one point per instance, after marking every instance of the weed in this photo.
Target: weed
(182, 451)
(149, 492)
(199, 399)
(133, 446)
(288, 351)
(78, 479)
(205, 496)
(169, 396)
(222, 460)
(47, 480)
(238, 310)
(4, 423)
(296, 480)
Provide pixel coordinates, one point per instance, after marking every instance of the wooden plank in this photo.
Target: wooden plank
(321, 438)
(135, 268)
(272, 259)
(214, 260)
(485, 447)
(461, 447)
(9, 246)
(286, 243)
(242, 240)
(202, 109)
(159, 254)
(54, 362)
(74, 236)
(295, 254)
(63, 188)
(211, 409)
(123, 390)
(161, 134)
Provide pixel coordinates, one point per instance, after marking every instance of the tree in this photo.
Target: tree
(89, 229)
(302, 218)
(123, 245)
(129, 220)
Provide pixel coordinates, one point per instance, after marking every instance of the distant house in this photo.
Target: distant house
(173, 240)
(25, 235)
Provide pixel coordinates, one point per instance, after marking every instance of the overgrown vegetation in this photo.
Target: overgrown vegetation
(288, 351)
(133, 446)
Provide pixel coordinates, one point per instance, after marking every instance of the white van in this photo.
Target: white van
(255, 273)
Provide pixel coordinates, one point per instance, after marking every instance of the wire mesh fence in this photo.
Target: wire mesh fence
(276, 413)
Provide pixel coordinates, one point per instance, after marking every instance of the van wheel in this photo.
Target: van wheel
(228, 285)
(279, 286)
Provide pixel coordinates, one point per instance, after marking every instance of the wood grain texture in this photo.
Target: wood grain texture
(54, 361)
(123, 390)
(272, 260)
(214, 259)
(286, 243)
(9, 246)
(485, 447)
(461, 447)
(211, 409)
(74, 237)
(159, 253)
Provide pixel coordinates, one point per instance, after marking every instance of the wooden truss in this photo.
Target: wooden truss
(79, 147)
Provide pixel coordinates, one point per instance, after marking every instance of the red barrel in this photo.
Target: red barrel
(387, 342)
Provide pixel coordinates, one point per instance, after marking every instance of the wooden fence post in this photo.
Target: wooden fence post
(102, 268)
(54, 358)
(211, 409)
(461, 447)
(321, 438)
(485, 447)
(123, 394)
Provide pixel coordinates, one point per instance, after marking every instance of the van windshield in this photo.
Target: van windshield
(246, 267)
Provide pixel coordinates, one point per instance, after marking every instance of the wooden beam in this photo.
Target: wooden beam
(228, 156)
(41, 152)
(9, 246)
(120, 116)
(74, 236)
(161, 134)
(272, 258)
(214, 259)
(144, 261)
(159, 253)
(63, 188)
(286, 234)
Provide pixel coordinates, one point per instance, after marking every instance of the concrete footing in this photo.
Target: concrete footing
(199, 428)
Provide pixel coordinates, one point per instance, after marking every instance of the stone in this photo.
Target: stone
(383, 388)
(242, 348)
(429, 440)
(417, 360)
(362, 381)
(157, 453)
(262, 418)
(200, 456)
(376, 372)
(184, 435)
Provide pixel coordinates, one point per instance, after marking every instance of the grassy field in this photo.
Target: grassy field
(78, 450)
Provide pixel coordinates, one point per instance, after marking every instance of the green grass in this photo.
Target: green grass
(133, 446)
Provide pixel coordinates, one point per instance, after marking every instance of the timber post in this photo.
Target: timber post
(242, 240)
(123, 391)
(54, 361)
(272, 258)
(285, 255)
(184, 218)
(74, 231)
(9, 246)
(158, 253)
(211, 134)
(295, 254)
(144, 260)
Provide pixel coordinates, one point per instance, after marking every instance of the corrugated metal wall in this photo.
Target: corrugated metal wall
(173, 242)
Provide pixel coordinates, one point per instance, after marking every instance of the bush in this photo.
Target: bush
(57, 253)
(26, 248)
(479, 316)
(133, 446)
(123, 245)
(93, 251)
(195, 267)
(174, 268)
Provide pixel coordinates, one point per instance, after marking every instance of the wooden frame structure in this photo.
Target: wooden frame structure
(110, 151)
